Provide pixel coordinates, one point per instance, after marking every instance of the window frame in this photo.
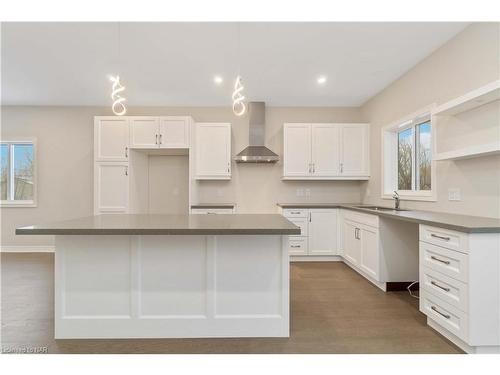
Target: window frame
(22, 203)
(389, 151)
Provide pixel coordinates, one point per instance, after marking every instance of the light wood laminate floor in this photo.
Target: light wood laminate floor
(333, 310)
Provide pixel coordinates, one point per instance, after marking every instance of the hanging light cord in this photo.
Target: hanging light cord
(118, 106)
(239, 106)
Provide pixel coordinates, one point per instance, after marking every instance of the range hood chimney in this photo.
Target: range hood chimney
(256, 152)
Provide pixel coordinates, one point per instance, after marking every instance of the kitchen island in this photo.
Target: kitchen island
(170, 276)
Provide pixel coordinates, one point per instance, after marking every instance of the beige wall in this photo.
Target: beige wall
(65, 164)
(466, 62)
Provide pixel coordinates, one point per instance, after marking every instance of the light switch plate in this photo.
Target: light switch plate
(454, 194)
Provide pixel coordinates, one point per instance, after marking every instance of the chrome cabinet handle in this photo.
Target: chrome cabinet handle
(228, 166)
(295, 246)
(356, 233)
(211, 213)
(440, 237)
(156, 139)
(126, 152)
(310, 171)
(341, 167)
(440, 260)
(440, 287)
(160, 138)
(310, 217)
(126, 171)
(314, 167)
(440, 313)
(295, 212)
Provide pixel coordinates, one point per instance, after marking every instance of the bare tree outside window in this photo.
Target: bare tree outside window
(405, 152)
(17, 172)
(415, 157)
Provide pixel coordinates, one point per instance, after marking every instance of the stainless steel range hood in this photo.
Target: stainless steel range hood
(256, 152)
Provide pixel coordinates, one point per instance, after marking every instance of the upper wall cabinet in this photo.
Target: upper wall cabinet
(159, 132)
(354, 150)
(213, 151)
(111, 138)
(326, 152)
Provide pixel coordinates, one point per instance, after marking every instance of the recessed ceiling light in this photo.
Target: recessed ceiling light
(218, 80)
(321, 80)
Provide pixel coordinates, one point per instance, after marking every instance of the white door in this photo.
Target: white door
(354, 148)
(297, 150)
(111, 188)
(144, 132)
(325, 150)
(351, 243)
(111, 138)
(323, 232)
(369, 251)
(174, 132)
(213, 151)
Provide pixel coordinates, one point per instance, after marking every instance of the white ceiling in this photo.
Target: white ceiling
(163, 64)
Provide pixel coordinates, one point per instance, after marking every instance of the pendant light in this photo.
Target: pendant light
(239, 106)
(118, 106)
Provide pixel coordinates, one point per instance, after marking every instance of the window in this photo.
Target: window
(407, 158)
(17, 180)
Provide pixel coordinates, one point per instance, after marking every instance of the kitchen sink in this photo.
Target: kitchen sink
(378, 208)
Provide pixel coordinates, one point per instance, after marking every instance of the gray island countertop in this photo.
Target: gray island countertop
(143, 224)
(461, 223)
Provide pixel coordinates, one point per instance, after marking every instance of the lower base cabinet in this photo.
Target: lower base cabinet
(318, 235)
(360, 243)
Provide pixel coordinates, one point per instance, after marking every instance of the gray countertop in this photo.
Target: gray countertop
(128, 224)
(213, 205)
(462, 223)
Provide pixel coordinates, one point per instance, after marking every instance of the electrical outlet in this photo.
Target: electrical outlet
(300, 192)
(308, 192)
(454, 194)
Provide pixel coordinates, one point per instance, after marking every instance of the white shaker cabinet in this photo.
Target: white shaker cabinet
(370, 252)
(213, 151)
(326, 151)
(174, 132)
(322, 232)
(159, 132)
(351, 246)
(297, 150)
(144, 132)
(354, 150)
(111, 187)
(111, 138)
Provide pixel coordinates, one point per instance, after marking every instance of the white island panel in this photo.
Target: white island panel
(162, 286)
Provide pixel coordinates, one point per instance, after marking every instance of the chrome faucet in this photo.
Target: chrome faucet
(396, 200)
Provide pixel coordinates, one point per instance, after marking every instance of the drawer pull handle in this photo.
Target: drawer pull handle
(295, 246)
(440, 313)
(440, 287)
(440, 237)
(440, 260)
(295, 212)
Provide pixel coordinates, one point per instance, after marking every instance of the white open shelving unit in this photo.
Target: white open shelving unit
(474, 99)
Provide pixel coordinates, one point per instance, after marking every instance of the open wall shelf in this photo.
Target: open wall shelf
(476, 98)
(473, 99)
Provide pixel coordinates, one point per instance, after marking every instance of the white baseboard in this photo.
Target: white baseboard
(311, 258)
(27, 249)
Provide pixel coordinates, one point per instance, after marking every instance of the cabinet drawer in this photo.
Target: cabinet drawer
(446, 238)
(290, 213)
(448, 262)
(447, 289)
(445, 315)
(362, 218)
(211, 211)
(297, 245)
(302, 223)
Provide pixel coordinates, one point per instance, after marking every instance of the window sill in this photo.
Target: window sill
(420, 198)
(29, 204)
